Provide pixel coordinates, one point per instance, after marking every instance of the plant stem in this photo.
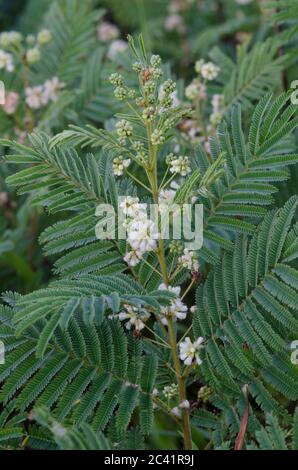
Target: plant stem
(152, 176)
(181, 386)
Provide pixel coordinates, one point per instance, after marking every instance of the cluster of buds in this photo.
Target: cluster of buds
(170, 391)
(14, 43)
(160, 106)
(120, 164)
(205, 393)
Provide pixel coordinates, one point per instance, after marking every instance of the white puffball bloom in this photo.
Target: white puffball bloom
(189, 351)
(175, 22)
(180, 166)
(209, 71)
(177, 309)
(132, 258)
(141, 236)
(10, 38)
(52, 88)
(35, 98)
(44, 37)
(188, 260)
(131, 206)
(134, 317)
(6, 61)
(106, 32)
(244, 2)
(33, 55)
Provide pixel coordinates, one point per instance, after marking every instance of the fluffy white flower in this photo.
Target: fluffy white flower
(33, 55)
(198, 65)
(116, 47)
(166, 198)
(106, 32)
(142, 236)
(35, 98)
(131, 206)
(180, 165)
(195, 90)
(44, 36)
(10, 38)
(6, 61)
(119, 165)
(209, 71)
(244, 2)
(175, 22)
(134, 317)
(52, 88)
(188, 260)
(215, 119)
(132, 258)
(177, 309)
(12, 100)
(190, 350)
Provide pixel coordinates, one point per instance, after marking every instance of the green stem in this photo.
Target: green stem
(181, 386)
(152, 174)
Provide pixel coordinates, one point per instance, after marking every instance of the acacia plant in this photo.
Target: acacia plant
(145, 333)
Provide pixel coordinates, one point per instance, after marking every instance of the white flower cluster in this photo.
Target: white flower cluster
(10, 38)
(189, 260)
(207, 70)
(6, 61)
(116, 47)
(44, 37)
(120, 164)
(196, 90)
(106, 32)
(41, 95)
(136, 317)
(166, 198)
(189, 351)
(141, 232)
(177, 309)
(12, 100)
(179, 165)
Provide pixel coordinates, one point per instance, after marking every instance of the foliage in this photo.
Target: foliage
(110, 341)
